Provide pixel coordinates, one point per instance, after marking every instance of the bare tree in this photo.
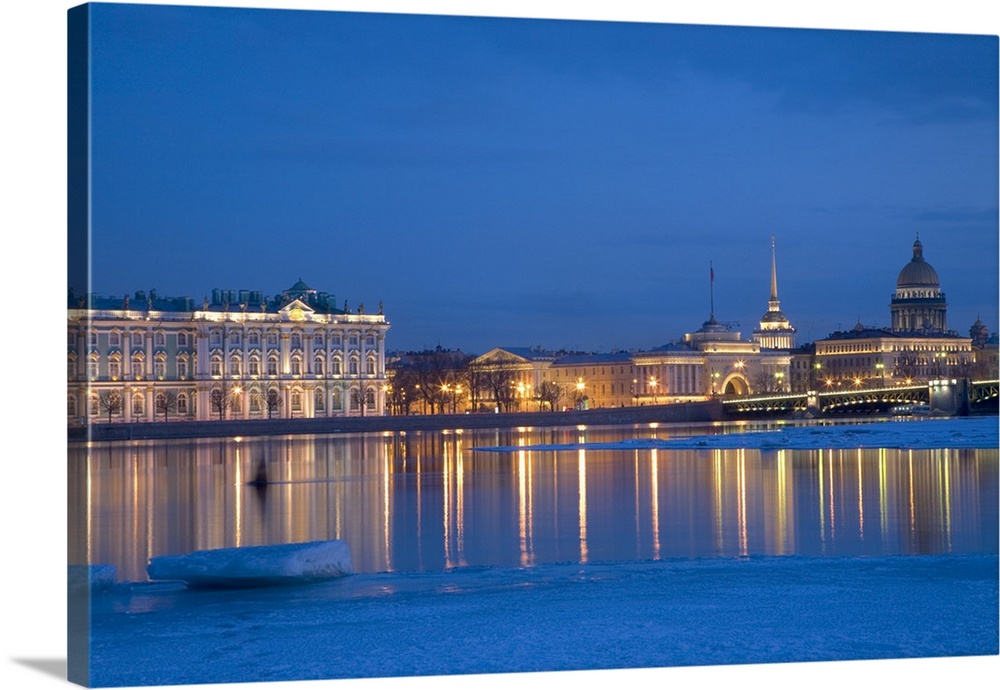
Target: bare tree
(219, 401)
(549, 393)
(165, 403)
(401, 389)
(432, 376)
(111, 402)
(497, 377)
(272, 401)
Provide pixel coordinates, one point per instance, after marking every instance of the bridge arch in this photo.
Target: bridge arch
(735, 384)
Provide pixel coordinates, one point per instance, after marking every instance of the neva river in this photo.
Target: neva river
(548, 549)
(432, 501)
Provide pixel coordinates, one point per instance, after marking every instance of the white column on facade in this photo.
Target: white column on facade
(201, 362)
(284, 364)
(201, 409)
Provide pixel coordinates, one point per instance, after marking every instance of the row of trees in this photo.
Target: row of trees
(439, 381)
(165, 403)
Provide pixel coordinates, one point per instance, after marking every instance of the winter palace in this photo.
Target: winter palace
(240, 355)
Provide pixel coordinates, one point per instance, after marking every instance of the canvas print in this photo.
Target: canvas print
(410, 345)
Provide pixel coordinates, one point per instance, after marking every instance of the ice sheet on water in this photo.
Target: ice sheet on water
(951, 432)
(255, 566)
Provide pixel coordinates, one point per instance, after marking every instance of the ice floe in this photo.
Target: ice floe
(256, 566)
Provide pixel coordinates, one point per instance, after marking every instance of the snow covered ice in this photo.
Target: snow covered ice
(255, 566)
(966, 432)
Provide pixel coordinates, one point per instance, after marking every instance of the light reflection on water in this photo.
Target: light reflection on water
(428, 501)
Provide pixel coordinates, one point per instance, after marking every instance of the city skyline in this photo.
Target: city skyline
(386, 158)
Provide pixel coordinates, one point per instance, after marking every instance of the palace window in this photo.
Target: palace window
(337, 366)
(93, 369)
(92, 338)
(114, 369)
(137, 339)
(71, 405)
(253, 339)
(335, 340)
(255, 403)
(182, 339)
(336, 400)
(272, 339)
(94, 403)
(370, 341)
(215, 339)
(71, 369)
(160, 368)
(182, 368)
(296, 401)
(138, 371)
(296, 366)
(159, 339)
(318, 367)
(318, 340)
(272, 366)
(216, 366)
(234, 339)
(182, 403)
(353, 371)
(114, 339)
(354, 341)
(296, 341)
(319, 400)
(370, 366)
(138, 404)
(235, 366)
(254, 365)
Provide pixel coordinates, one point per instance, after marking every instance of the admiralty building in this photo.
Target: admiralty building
(238, 355)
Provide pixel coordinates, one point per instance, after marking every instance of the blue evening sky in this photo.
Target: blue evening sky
(499, 181)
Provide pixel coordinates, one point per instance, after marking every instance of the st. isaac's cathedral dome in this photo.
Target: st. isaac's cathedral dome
(918, 273)
(918, 304)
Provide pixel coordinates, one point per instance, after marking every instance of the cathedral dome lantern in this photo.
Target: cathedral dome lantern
(918, 273)
(918, 305)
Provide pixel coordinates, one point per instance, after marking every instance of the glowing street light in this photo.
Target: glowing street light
(652, 386)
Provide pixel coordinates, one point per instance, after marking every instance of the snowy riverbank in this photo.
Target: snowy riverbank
(550, 618)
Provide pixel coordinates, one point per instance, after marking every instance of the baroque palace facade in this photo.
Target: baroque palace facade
(239, 355)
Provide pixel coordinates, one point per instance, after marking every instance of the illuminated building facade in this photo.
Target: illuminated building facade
(240, 355)
(918, 347)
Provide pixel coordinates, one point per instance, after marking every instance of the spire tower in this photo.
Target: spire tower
(775, 330)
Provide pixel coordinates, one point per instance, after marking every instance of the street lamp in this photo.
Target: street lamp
(579, 392)
(880, 368)
(635, 391)
(778, 376)
(715, 382)
(652, 386)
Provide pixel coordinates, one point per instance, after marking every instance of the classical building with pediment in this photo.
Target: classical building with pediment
(238, 355)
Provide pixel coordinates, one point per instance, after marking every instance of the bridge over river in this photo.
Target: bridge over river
(946, 396)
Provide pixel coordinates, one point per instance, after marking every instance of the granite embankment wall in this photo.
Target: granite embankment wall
(678, 412)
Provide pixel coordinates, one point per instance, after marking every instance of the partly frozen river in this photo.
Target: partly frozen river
(549, 549)
(426, 502)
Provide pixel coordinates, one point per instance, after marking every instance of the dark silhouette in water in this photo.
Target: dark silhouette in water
(260, 478)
